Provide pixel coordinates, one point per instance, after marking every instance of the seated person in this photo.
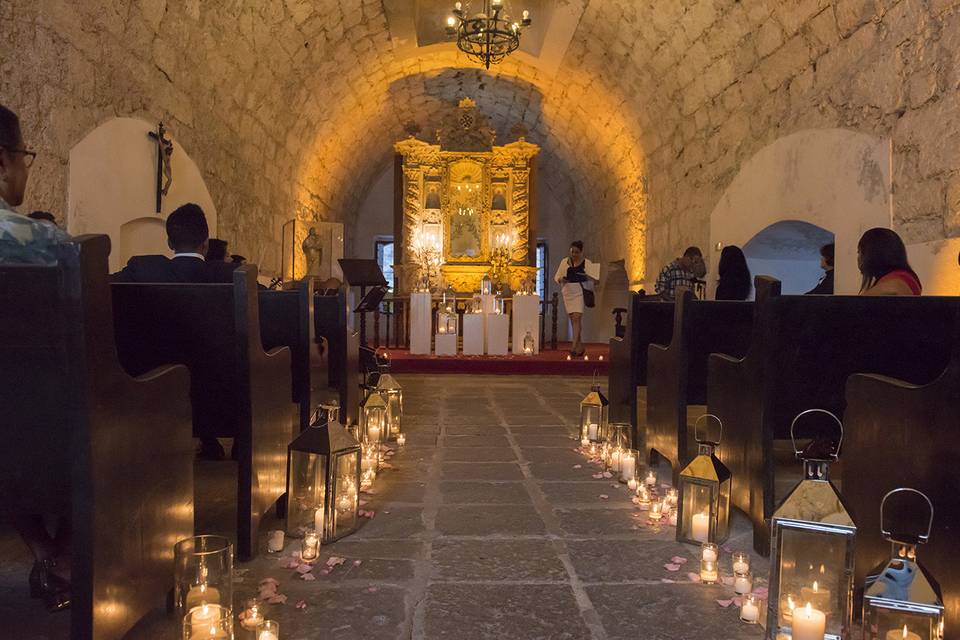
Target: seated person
(187, 235)
(216, 250)
(882, 258)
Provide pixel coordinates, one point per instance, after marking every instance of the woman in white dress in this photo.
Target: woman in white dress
(574, 274)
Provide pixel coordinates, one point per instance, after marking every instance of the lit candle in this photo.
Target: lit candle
(275, 541)
(253, 617)
(750, 610)
(742, 583)
(202, 594)
(708, 552)
(204, 621)
(816, 595)
(373, 432)
(310, 548)
(592, 430)
(585, 443)
(614, 460)
(628, 467)
(902, 634)
(808, 624)
(268, 630)
(656, 511)
(700, 527)
(644, 497)
(442, 330)
(672, 497)
(708, 572)
(741, 562)
(318, 520)
(632, 484)
(789, 604)
(401, 440)
(651, 479)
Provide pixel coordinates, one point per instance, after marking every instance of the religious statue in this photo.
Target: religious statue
(312, 247)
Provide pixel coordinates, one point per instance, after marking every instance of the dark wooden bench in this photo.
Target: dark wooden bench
(677, 373)
(802, 350)
(77, 428)
(237, 390)
(648, 321)
(286, 320)
(902, 435)
(332, 322)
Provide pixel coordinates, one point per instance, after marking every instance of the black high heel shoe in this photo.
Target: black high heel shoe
(54, 590)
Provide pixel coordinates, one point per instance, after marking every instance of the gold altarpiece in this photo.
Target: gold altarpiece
(464, 208)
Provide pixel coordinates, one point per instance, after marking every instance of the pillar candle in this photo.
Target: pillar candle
(709, 552)
(592, 429)
(205, 621)
(750, 610)
(275, 541)
(816, 596)
(202, 594)
(616, 456)
(628, 467)
(808, 623)
(902, 634)
(401, 440)
(318, 520)
(700, 527)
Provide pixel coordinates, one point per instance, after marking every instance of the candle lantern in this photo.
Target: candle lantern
(446, 323)
(476, 306)
(203, 573)
(812, 549)
(392, 393)
(528, 344)
(901, 600)
(323, 481)
(498, 304)
(618, 435)
(703, 501)
(486, 285)
(594, 411)
(373, 418)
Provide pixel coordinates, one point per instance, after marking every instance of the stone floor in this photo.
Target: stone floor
(489, 525)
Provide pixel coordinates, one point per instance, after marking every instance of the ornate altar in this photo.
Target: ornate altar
(466, 208)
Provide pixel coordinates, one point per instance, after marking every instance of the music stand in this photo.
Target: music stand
(363, 273)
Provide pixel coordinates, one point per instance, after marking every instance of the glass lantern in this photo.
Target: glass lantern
(498, 304)
(618, 435)
(476, 305)
(446, 323)
(373, 418)
(901, 600)
(392, 393)
(208, 622)
(703, 501)
(203, 574)
(486, 285)
(812, 550)
(594, 415)
(323, 481)
(449, 301)
(528, 344)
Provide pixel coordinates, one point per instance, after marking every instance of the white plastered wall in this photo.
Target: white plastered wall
(112, 189)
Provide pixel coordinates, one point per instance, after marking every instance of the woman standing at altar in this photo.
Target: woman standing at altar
(574, 274)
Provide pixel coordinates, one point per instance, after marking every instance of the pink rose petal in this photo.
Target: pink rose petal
(301, 604)
(272, 581)
(309, 577)
(724, 603)
(334, 561)
(671, 567)
(324, 572)
(597, 476)
(678, 560)
(578, 466)
(667, 581)
(607, 474)
(277, 599)
(604, 496)
(304, 568)
(357, 563)
(373, 589)
(760, 591)
(694, 577)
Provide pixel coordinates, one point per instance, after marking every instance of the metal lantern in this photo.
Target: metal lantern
(528, 344)
(323, 481)
(373, 418)
(392, 393)
(476, 305)
(594, 410)
(498, 304)
(812, 549)
(901, 599)
(446, 323)
(703, 502)
(486, 285)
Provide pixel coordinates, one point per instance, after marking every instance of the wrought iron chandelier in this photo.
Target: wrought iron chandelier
(488, 36)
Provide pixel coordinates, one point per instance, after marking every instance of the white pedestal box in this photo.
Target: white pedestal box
(473, 339)
(526, 317)
(488, 303)
(498, 334)
(446, 344)
(421, 321)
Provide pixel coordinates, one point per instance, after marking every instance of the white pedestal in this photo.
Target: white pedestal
(473, 334)
(498, 334)
(421, 322)
(526, 317)
(488, 302)
(446, 344)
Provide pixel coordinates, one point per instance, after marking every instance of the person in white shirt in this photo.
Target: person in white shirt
(574, 274)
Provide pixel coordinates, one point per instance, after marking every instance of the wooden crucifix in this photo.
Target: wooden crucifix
(164, 171)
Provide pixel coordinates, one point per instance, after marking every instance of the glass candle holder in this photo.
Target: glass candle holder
(708, 572)
(203, 573)
(253, 616)
(275, 541)
(788, 603)
(628, 465)
(643, 497)
(633, 485)
(709, 551)
(651, 479)
(741, 562)
(750, 609)
(656, 511)
(401, 440)
(672, 497)
(612, 459)
(310, 548)
(742, 583)
(208, 622)
(268, 630)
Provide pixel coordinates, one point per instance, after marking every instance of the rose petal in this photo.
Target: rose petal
(694, 577)
(760, 591)
(357, 563)
(578, 466)
(678, 560)
(333, 561)
(724, 603)
(604, 496)
(277, 599)
(671, 567)
(272, 581)
(667, 581)
(304, 568)
(607, 474)
(309, 577)
(301, 604)
(597, 476)
(373, 589)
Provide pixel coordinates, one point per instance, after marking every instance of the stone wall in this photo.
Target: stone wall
(290, 107)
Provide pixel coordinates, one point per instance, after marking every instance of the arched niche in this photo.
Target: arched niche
(835, 179)
(112, 188)
(789, 251)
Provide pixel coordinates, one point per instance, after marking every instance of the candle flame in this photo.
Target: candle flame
(213, 630)
(809, 610)
(790, 603)
(815, 587)
(822, 569)
(904, 631)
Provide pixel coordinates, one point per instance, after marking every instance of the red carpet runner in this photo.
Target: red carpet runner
(545, 363)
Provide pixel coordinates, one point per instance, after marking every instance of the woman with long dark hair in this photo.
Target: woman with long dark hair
(882, 259)
(734, 282)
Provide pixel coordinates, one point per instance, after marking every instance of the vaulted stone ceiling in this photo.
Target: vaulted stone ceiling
(644, 109)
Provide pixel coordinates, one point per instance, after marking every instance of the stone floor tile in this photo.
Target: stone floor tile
(588, 492)
(484, 493)
(560, 439)
(609, 521)
(474, 430)
(629, 560)
(497, 560)
(481, 471)
(565, 456)
(480, 454)
(393, 522)
(487, 440)
(509, 520)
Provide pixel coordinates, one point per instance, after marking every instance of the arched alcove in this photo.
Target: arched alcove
(112, 188)
(788, 250)
(834, 179)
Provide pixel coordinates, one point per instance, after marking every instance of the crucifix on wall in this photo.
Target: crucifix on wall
(164, 170)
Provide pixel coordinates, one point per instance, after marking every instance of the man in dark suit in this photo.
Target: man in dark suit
(187, 235)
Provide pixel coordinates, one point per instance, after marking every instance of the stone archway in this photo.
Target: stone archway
(789, 251)
(835, 179)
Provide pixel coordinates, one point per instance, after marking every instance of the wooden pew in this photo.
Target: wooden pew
(78, 428)
(897, 434)
(237, 390)
(332, 323)
(677, 373)
(802, 350)
(286, 320)
(648, 321)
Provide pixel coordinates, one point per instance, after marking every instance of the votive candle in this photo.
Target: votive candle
(808, 624)
(672, 497)
(902, 634)
(275, 541)
(708, 572)
(632, 484)
(742, 583)
(741, 562)
(268, 630)
(709, 552)
(651, 479)
(401, 440)
(750, 609)
(253, 616)
(310, 549)
(656, 511)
